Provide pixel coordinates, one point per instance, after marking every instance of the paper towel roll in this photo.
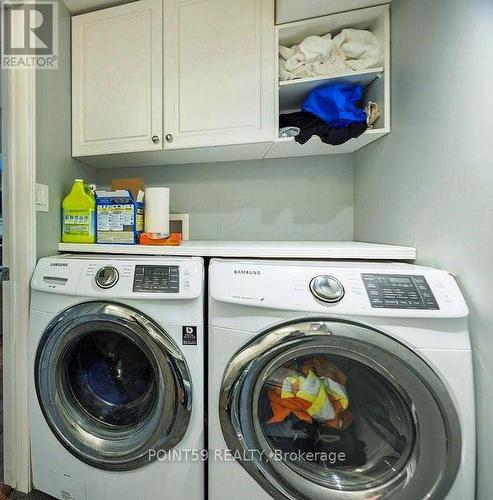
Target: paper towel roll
(157, 210)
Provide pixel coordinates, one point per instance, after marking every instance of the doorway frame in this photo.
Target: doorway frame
(19, 255)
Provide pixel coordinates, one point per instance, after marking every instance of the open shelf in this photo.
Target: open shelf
(375, 81)
(257, 249)
(292, 93)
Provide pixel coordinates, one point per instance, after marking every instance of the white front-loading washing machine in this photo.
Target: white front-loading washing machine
(338, 380)
(116, 377)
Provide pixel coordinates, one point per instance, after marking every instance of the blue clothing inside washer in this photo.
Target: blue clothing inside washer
(112, 378)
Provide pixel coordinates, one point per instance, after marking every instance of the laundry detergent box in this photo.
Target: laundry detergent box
(119, 216)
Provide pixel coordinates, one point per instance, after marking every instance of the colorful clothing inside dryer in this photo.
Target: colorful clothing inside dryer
(314, 393)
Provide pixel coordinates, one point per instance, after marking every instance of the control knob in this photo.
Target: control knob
(327, 289)
(107, 277)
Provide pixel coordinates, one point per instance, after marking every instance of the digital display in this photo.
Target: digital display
(391, 291)
(401, 281)
(157, 279)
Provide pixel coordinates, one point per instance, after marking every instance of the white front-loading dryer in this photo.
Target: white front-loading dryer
(338, 380)
(116, 377)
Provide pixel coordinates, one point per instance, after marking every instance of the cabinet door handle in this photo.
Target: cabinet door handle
(169, 137)
(155, 139)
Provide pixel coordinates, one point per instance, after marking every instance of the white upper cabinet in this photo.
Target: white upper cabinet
(117, 79)
(218, 72)
(158, 82)
(215, 88)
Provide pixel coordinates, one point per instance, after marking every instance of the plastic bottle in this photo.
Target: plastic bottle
(79, 215)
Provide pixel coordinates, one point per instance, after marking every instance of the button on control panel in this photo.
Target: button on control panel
(157, 279)
(399, 291)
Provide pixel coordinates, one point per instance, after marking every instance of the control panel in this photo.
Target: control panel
(121, 277)
(399, 291)
(157, 279)
(372, 289)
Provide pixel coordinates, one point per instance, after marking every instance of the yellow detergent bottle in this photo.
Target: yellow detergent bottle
(79, 215)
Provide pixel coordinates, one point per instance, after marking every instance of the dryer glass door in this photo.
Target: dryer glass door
(331, 409)
(112, 385)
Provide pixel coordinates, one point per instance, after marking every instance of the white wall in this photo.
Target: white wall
(430, 182)
(289, 199)
(54, 164)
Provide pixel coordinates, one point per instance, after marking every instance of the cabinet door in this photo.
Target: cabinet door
(117, 79)
(219, 72)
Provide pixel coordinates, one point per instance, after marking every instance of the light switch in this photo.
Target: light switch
(42, 198)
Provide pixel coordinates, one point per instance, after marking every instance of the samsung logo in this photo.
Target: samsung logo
(59, 264)
(247, 272)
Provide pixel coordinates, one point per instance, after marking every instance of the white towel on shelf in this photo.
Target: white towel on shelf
(317, 48)
(314, 56)
(350, 50)
(361, 49)
(304, 71)
(334, 67)
(286, 52)
(283, 73)
(295, 62)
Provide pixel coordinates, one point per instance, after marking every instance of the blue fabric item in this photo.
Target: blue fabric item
(97, 380)
(336, 104)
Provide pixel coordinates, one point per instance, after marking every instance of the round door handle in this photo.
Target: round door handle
(169, 137)
(327, 289)
(155, 139)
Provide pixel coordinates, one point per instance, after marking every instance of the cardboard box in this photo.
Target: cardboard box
(119, 217)
(134, 185)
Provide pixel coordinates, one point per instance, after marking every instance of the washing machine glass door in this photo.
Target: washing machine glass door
(332, 409)
(113, 386)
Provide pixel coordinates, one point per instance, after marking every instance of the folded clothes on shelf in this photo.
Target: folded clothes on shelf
(360, 48)
(350, 50)
(332, 112)
(337, 104)
(311, 125)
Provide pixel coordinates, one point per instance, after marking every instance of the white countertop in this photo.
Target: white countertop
(258, 249)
